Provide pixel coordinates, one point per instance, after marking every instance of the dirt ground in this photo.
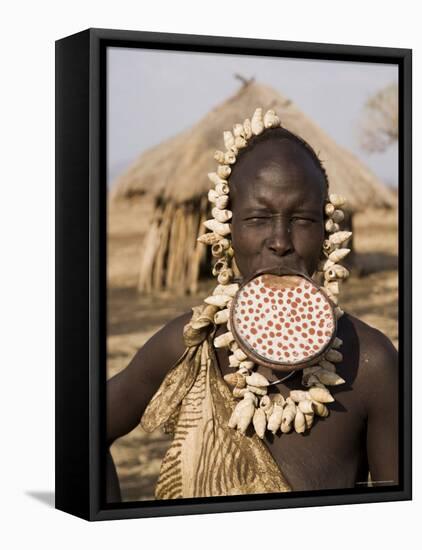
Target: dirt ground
(371, 294)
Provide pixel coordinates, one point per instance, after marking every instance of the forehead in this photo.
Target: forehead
(278, 170)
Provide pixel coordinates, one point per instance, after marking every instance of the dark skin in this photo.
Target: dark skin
(277, 197)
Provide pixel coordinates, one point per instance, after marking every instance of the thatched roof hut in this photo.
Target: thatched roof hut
(175, 174)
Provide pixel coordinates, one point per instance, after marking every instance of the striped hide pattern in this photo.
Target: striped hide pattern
(206, 457)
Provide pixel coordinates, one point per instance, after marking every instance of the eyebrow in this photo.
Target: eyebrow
(262, 201)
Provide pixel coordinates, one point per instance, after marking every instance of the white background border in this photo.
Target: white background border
(27, 272)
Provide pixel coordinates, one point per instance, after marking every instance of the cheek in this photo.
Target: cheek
(308, 241)
(248, 240)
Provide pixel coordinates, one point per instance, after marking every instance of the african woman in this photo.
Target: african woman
(276, 204)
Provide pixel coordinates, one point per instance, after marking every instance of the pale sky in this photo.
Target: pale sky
(153, 95)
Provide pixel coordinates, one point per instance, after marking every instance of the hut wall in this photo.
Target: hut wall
(171, 257)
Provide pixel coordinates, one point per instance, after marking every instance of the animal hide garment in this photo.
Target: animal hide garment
(206, 458)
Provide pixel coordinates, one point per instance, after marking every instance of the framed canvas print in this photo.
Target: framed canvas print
(233, 274)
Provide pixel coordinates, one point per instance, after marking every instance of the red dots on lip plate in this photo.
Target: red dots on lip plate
(294, 339)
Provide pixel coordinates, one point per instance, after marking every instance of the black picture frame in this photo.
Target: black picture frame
(81, 271)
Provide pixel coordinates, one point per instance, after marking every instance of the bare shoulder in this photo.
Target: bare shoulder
(377, 375)
(129, 391)
(376, 348)
(164, 348)
(154, 359)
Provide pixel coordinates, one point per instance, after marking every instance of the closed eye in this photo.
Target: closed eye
(256, 219)
(302, 220)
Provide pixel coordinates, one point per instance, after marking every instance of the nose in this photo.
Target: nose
(280, 242)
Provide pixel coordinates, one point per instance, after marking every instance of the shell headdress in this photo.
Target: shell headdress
(256, 407)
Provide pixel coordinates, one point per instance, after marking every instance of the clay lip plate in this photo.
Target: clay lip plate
(282, 320)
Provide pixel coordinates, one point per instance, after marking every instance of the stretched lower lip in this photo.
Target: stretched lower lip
(280, 269)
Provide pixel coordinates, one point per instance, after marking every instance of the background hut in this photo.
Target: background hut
(173, 175)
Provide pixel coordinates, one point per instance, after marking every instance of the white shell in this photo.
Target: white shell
(259, 421)
(242, 370)
(308, 375)
(279, 400)
(309, 419)
(333, 287)
(305, 406)
(331, 226)
(223, 171)
(242, 414)
(220, 157)
(251, 396)
(266, 405)
(328, 247)
(239, 392)
(228, 139)
(336, 272)
(217, 250)
(329, 208)
(312, 380)
(256, 379)
(247, 364)
(222, 201)
(233, 346)
(221, 317)
(337, 216)
(340, 237)
(230, 290)
(299, 422)
(245, 417)
(338, 254)
(240, 355)
(247, 127)
(238, 130)
(209, 238)
(326, 265)
(212, 195)
(219, 265)
(320, 409)
(271, 120)
(221, 215)
(215, 178)
(274, 420)
(337, 200)
(334, 356)
(329, 378)
(330, 274)
(258, 390)
(288, 416)
(240, 142)
(257, 122)
(223, 340)
(230, 252)
(229, 157)
(222, 229)
(233, 361)
(225, 276)
(327, 365)
(338, 342)
(322, 395)
(222, 189)
(299, 395)
(219, 300)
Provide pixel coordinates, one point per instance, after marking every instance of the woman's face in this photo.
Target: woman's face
(277, 195)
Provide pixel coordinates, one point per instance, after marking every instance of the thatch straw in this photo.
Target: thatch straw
(177, 168)
(175, 173)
